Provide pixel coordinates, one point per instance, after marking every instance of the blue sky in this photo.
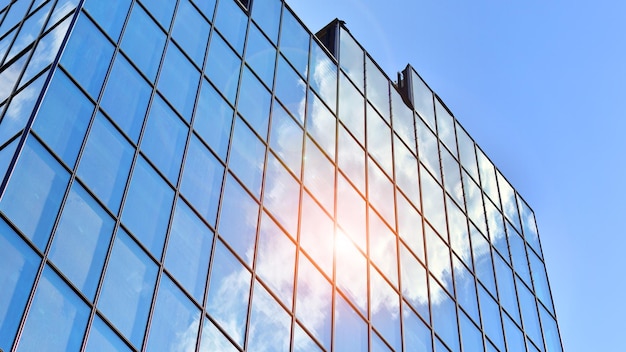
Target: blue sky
(541, 86)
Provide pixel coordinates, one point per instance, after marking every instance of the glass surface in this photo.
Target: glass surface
(231, 22)
(313, 304)
(275, 260)
(351, 210)
(105, 162)
(103, 339)
(303, 342)
(20, 108)
(282, 195)
(383, 250)
(433, 202)
(87, 56)
(445, 127)
(514, 337)
(15, 15)
(323, 75)
(518, 256)
(127, 288)
(428, 149)
(540, 281)
(286, 138)
(228, 293)
(350, 329)
(381, 193)
(207, 7)
(34, 193)
(351, 59)
(471, 336)
(444, 316)
(294, 42)
(457, 229)
(529, 225)
(321, 124)
(56, 316)
(270, 325)
(452, 176)
(466, 290)
(254, 102)
(467, 152)
(267, 14)
(238, 219)
(290, 89)
(423, 100)
(29, 31)
(213, 119)
(110, 16)
(403, 122)
(506, 288)
(483, 264)
(189, 250)
(474, 203)
(147, 207)
(416, 334)
(202, 180)
(377, 88)
(351, 159)
(319, 175)
(162, 10)
(6, 155)
(222, 67)
(214, 340)
(61, 9)
(351, 272)
(81, 241)
(509, 201)
(164, 139)
(143, 41)
(191, 31)
(179, 81)
(385, 309)
(18, 267)
(379, 140)
(10, 75)
(488, 177)
(126, 97)
(63, 118)
(247, 157)
(550, 332)
(406, 167)
(261, 55)
(490, 313)
(351, 108)
(175, 320)
(410, 227)
(317, 234)
(414, 284)
(438, 255)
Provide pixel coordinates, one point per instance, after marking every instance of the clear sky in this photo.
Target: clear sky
(541, 87)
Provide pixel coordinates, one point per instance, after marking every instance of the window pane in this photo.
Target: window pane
(319, 175)
(416, 333)
(410, 227)
(189, 250)
(351, 159)
(103, 339)
(247, 154)
(109, 15)
(466, 290)
(323, 76)
(290, 89)
(423, 100)
(317, 234)
(381, 193)
(213, 119)
(147, 207)
(267, 14)
(20, 109)
(414, 286)
(34, 193)
(231, 21)
(351, 272)
(270, 325)
(379, 140)
(352, 109)
(282, 195)
(377, 88)
(128, 287)
(191, 31)
(286, 138)
(383, 250)
(351, 211)
(164, 139)
(143, 42)
(406, 171)
(238, 219)
(162, 10)
(471, 336)
(352, 59)
(261, 55)
(207, 7)
(202, 180)
(57, 316)
(222, 67)
(313, 304)
(385, 305)
(179, 81)
(321, 124)
(82, 240)
(214, 340)
(254, 102)
(294, 42)
(18, 267)
(350, 329)
(444, 316)
(63, 118)
(105, 162)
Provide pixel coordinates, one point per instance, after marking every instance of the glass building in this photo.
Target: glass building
(208, 175)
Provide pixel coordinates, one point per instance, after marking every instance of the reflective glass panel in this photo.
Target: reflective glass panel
(385, 309)
(377, 88)
(550, 332)
(286, 138)
(466, 152)
(506, 288)
(294, 42)
(162, 10)
(403, 122)
(540, 280)
(509, 201)
(231, 21)
(452, 176)
(20, 108)
(213, 119)
(179, 81)
(416, 333)
(247, 154)
(428, 149)
(214, 340)
(482, 260)
(445, 127)
(383, 250)
(350, 329)
(406, 167)
(207, 7)
(303, 342)
(254, 102)
(438, 261)
(282, 195)
(351, 59)
(414, 285)
(471, 336)
(47, 49)
(351, 108)
(222, 67)
(143, 41)
(323, 75)
(290, 89)
(379, 140)
(351, 213)
(317, 234)
(351, 272)
(381, 193)
(29, 31)
(490, 313)
(321, 124)
(410, 227)
(351, 159)
(433, 202)
(313, 304)
(270, 325)
(191, 31)
(457, 228)
(514, 337)
(444, 316)
(423, 99)
(465, 289)
(267, 14)
(261, 55)
(110, 16)
(488, 177)
(103, 339)
(319, 175)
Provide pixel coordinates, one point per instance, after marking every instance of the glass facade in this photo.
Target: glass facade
(206, 175)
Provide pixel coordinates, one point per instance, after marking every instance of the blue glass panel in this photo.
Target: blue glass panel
(207, 7)
(254, 102)
(46, 51)
(282, 195)
(29, 31)
(222, 67)
(18, 267)
(403, 122)
(514, 336)
(410, 226)
(270, 325)
(191, 31)
(214, 340)
(471, 336)
(290, 89)
(350, 329)
(57, 316)
(247, 154)
(238, 219)
(321, 124)
(351, 212)
(381, 193)
(351, 272)
(482, 261)
(275, 261)
(377, 88)
(550, 332)
(175, 320)
(294, 41)
(323, 75)
(444, 315)
(213, 119)
(378, 344)
(506, 288)
(229, 291)
(179, 81)
(414, 286)
(351, 158)
(63, 118)
(103, 339)
(15, 15)
(128, 287)
(20, 109)
(267, 14)
(383, 249)
(143, 42)
(261, 55)
(189, 250)
(105, 162)
(385, 305)
(202, 180)
(61, 9)
(87, 56)
(6, 155)
(319, 175)
(352, 59)
(379, 140)
(303, 342)
(109, 15)
(540, 280)
(529, 225)
(162, 10)
(164, 139)
(81, 241)
(528, 307)
(313, 304)
(286, 138)
(490, 313)
(495, 223)
(416, 334)
(126, 97)
(231, 21)
(423, 99)
(34, 194)
(465, 289)
(147, 207)
(317, 234)
(518, 255)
